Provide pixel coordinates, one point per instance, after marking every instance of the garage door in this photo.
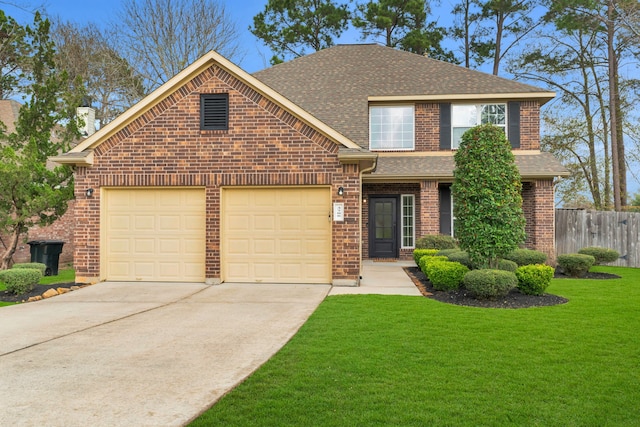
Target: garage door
(276, 235)
(154, 234)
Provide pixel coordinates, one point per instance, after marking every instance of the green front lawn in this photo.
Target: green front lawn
(407, 361)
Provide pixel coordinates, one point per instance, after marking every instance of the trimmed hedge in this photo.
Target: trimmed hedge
(419, 253)
(526, 257)
(534, 279)
(35, 265)
(20, 280)
(575, 265)
(462, 257)
(507, 265)
(602, 255)
(489, 284)
(436, 241)
(446, 252)
(426, 261)
(446, 275)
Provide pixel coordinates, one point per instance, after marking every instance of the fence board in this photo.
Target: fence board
(577, 229)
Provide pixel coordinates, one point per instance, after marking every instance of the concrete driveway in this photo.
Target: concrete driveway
(140, 354)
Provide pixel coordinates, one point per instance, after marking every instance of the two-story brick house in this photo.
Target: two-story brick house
(295, 173)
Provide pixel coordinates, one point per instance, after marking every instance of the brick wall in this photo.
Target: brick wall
(529, 125)
(60, 230)
(539, 212)
(264, 146)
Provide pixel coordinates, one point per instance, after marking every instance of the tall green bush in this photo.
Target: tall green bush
(487, 196)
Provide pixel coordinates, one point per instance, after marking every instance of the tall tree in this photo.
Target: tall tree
(30, 193)
(159, 38)
(402, 24)
(289, 27)
(571, 62)
(509, 22)
(86, 52)
(487, 192)
(12, 47)
(466, 27)
(603, 18)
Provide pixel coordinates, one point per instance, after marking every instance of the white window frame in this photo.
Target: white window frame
(402, 221)
(389, 132)
(478, 119)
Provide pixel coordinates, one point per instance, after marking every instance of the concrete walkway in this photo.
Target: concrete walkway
(134, 354)
(383, 278)
(152, 354)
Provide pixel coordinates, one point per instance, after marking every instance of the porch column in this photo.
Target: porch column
(429, 208)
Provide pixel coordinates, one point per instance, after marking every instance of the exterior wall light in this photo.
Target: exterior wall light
(89, 192)
(340, 191)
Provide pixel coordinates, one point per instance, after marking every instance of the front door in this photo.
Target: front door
(383, 230)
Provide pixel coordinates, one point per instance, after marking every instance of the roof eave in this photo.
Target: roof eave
(542, 96)
(84, 158)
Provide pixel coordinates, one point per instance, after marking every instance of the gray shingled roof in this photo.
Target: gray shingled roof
(538, 165)
(334, 84)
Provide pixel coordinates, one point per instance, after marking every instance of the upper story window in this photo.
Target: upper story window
(391, 128)
(466, 116)
(214, 111)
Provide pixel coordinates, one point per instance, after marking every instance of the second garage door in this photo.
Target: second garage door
(276, 235)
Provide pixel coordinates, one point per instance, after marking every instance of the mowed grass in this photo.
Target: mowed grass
(410, 361)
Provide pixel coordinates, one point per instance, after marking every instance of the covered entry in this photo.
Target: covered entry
(276, 234)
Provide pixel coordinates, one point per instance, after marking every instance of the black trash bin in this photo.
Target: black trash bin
(48, 253)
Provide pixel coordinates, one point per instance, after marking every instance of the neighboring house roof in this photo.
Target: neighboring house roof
(9, 111)
(336, 84)
(531, 164)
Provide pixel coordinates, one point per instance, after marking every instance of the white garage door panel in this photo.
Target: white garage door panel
(276, 235)
(155, 234)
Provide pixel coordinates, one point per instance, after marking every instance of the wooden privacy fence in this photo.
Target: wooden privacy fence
(577, 229)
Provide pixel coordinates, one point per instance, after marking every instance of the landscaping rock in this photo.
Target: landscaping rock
(63, 290)
(36, 298)
(50, 293)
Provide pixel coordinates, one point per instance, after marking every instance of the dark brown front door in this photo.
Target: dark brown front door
(383, 230)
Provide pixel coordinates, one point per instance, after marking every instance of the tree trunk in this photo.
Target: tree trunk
(7, 256)
(613, 108)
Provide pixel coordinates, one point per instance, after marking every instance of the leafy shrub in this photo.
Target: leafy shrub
(425, 261)
(575, 265)
(436, 241)
(489, 284)
(526, 257)
(602, 255)
(419, 253)
(462, 257)
(534, 279)
(35, 265)
(20, 280)
(507, 265)
(446, 275)
(446, 252)
(487, 189)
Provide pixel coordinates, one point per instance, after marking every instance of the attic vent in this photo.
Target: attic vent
(214, 111)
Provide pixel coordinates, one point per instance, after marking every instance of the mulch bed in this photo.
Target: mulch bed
(515, 298)
(37, 290)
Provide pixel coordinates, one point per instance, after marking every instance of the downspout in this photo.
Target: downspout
(362, 172)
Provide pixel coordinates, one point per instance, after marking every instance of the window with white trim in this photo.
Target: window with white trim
(391, 127)
(408, 220)
(466, 116)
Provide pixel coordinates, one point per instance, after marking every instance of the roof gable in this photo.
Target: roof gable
(82, 154)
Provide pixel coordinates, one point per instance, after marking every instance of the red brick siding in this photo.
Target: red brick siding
(264, 146)
(539, 211)
(427, 127)
(62, 229)
(529, 125)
